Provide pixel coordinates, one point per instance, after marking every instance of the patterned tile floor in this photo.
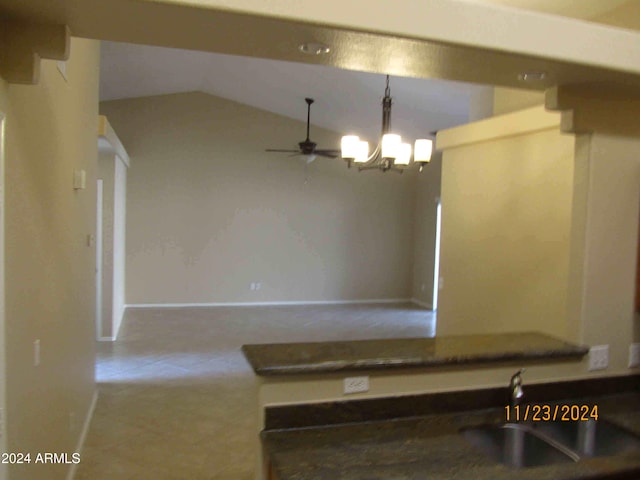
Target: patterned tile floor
(177, 400)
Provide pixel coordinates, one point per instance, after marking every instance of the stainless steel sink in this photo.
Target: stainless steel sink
(591, 438)
(518, 445)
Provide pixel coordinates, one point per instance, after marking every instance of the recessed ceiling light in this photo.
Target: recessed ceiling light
(532, 76)
(312, 48)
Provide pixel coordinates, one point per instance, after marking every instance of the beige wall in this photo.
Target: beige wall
(507, 100)
(50, 289)
(489, 101)
(506, 217)
(427, 196)
(209, 212)
(113, 173)
(607, 231)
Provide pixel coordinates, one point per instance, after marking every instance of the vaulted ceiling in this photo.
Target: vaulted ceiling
(346, 100)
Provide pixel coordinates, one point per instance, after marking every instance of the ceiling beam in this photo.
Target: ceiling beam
(448, 39)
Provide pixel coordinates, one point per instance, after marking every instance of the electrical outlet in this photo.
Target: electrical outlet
(599, 357)
(356, 385)
(258, 285)
(634, 355)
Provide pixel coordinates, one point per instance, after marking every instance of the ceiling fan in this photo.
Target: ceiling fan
(307, 148)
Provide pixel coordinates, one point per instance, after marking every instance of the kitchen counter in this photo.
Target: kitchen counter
(402, 353)
(430, 447)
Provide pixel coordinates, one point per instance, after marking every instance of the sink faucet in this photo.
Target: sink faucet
(515, 388)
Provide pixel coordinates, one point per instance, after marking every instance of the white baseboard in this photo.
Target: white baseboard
(268, 304)
(83, 433)
(422, 304)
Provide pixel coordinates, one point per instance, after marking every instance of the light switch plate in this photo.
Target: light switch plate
(599, 357)
(79, 179)
(634, 355)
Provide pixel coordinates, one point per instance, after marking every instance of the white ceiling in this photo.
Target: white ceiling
(346, 101)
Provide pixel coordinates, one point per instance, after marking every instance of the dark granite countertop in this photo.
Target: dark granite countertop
(327, 357)
(430, 447)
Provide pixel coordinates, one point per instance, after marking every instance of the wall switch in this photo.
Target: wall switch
(634, 355)
(599, 357)
(36, 352)
(356, 385)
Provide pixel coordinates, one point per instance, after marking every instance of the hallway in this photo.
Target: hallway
(177, 400)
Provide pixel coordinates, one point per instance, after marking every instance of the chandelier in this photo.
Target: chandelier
(390, 152)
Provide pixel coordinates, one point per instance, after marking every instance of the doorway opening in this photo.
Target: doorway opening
(3, 403)
(99, 200)
(436, 262)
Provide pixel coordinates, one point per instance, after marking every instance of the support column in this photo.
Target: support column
(605, 213)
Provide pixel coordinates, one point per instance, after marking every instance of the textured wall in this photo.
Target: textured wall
(506, 219)
(209, 212)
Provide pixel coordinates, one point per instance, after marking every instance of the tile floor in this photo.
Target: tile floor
(177, 400)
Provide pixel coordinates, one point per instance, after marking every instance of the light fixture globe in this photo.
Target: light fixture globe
(362, 152)
(423, 150)
(349, 146)
(390, 145)
(404, 155)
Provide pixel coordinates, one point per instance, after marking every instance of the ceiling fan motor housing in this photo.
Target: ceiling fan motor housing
(307, 147)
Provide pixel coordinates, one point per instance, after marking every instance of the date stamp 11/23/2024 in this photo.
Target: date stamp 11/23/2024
(551, 413)
(21, 458)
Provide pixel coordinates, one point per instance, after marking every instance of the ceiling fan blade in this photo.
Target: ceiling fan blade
(327, 150)
(281, 150)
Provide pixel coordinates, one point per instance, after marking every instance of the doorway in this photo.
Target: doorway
(436, 262)
(99, 206)
(3, 420)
